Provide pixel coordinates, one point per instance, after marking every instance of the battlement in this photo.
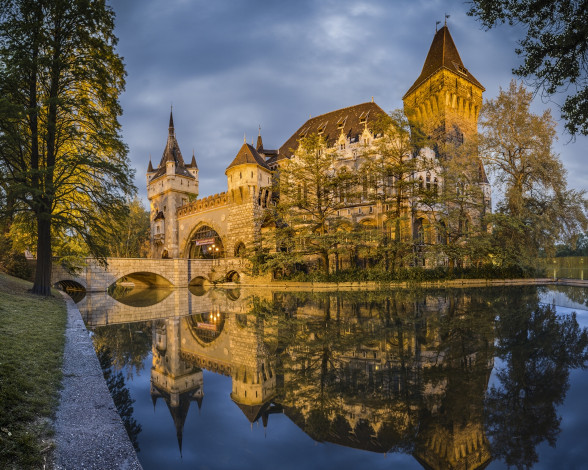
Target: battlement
(204, 204)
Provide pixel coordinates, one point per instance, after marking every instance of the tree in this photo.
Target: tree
(309, 197)
(390, 165)
(554, 50)
(62, 158)
(129, 236)
(537, 209)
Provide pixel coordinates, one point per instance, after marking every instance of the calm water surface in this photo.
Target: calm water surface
(431, 378)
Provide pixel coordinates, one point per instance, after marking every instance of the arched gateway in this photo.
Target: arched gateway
(206, 243)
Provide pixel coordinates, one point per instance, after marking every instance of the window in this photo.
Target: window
(251, 174)
(428, 181)
(371, 209)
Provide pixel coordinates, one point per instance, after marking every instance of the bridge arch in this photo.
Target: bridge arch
(232, 276)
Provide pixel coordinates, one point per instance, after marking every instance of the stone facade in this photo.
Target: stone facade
(444, 97)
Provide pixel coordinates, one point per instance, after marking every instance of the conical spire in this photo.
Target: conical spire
(171, 122)
(259, 146)
(150, 167)
(443, 54)
(193, 162)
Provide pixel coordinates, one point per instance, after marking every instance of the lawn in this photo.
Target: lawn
(31, 352)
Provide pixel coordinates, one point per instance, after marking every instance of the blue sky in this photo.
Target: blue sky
(229, 66)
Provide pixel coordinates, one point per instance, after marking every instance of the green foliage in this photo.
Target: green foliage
(538, 209)
(64, 168)
(554, 49)
(128, 236)
(418, 274)
(11, 261)
(578, 247)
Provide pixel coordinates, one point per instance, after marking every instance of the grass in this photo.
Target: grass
(31, 352)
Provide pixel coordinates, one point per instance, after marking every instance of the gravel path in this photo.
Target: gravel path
(89, 432)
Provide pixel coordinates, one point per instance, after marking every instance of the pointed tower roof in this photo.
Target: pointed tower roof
(259, 146)
(150, 167)
(172, 153)
(193, 162)
(443, 55)
(247, 154)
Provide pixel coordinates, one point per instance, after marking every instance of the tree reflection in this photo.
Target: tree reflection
(120, 395)
(127, 343)
(537, 349)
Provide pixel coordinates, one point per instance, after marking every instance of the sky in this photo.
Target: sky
(230, 66)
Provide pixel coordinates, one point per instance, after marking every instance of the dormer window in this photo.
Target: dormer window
(341, 123)
(363, 117)
(461, 69)
(321, 128)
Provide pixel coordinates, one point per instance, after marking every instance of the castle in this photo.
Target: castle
(445, 96)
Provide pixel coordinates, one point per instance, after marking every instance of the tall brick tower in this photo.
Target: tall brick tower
(445, 97)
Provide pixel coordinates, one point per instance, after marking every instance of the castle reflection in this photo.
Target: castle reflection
(379, 371)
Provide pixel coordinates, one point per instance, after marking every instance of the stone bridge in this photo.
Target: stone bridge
(178, 272)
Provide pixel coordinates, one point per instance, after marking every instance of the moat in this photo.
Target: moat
(426, 378)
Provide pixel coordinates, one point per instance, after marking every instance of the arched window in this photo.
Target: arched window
(418, 232)
(436, 186)
(428, 181)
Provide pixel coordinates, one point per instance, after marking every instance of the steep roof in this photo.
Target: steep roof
(443, 55)
(248, 154)
(351, 120)
(172, 153)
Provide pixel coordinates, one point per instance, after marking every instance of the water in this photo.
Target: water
(406, 379)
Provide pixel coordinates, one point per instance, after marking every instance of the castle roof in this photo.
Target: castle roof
(351, 120)
(443, 55)
(172, 153)
(247, 155)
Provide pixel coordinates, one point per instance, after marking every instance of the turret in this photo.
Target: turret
(248, 176)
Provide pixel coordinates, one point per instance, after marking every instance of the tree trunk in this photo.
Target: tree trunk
(42, 284)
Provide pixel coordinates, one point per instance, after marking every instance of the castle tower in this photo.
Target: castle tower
(445, 97)
(249, 182)
(248, 175)
(169, 186)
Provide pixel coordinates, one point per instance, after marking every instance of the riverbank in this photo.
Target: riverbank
(55, 408)
(31, 355)
(375, 285)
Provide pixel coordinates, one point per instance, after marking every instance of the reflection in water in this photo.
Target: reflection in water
(404, 371)
(138, 297)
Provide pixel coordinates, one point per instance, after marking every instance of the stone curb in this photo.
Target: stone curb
(89, 433)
